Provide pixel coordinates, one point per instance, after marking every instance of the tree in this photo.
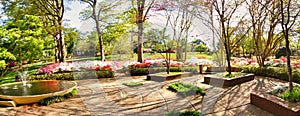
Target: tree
(53, 12)
(287, 22)
(71, 35)
(225, 12)
(140, 19)
(22, 40)
(266, 40)
(5, 57)
(97, 13)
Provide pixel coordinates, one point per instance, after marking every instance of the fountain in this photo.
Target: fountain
(27, 92)
(23, 77)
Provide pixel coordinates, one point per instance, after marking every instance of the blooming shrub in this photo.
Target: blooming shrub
(78, 66)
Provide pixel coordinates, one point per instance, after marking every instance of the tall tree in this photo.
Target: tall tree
(264, 14)
(287, 21)
(226, 10)
(24, 38)
(53, 12)
(141, 13)
(97, 13)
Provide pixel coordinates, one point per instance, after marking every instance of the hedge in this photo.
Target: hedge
(73, 75)
(136, 71)
(274, 72)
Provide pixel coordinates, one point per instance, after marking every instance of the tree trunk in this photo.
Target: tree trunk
(62, 50)
(96, 18)
(288, 54)
(140, 41)
(102, 56)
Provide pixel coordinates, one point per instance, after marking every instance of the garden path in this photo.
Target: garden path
(112, 98)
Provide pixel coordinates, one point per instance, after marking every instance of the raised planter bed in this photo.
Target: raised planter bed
(227, 82)
(274, 105)
(161, 78)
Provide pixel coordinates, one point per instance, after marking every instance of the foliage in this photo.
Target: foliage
(24, 38)
(73, 75)
(186, 89)
(135, 71)
(57, 99)
(5, 57)
(274, 72)
(191, 113)
(185, 113)
(133, 84)
(172, 113)
(292, 96)
(71, 35)
(280, 52)
(201, 48)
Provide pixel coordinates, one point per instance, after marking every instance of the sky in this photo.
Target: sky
(73, 17)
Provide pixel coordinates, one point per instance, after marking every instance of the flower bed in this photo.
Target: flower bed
(222, 81)
(79, 66)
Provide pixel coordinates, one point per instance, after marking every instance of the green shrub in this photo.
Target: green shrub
(136, 71)
(293, 96)
(56, 99)
(280, 52)
(191, 113)
(201, 48)
(73, 75)
(133, 84)
(172, 113)
(186, 89)
(50, 100)
(274, 72)
(185, 113)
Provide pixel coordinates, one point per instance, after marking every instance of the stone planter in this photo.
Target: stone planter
(274, 105)
(162, 78)
(227, 82)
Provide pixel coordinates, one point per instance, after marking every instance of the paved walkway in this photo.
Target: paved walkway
(96, 97)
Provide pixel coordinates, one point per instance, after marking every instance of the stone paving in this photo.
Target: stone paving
(96, 97)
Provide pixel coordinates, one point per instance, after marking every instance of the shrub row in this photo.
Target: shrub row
(55, 99)
(73, 75)
(274, 72)
(137, 71)
(186, 89)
